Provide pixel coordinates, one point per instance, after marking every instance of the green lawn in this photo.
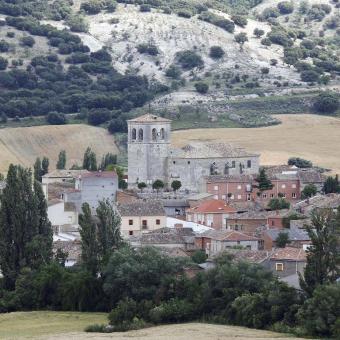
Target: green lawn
(37, 324)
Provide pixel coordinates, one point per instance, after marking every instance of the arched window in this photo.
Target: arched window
(162, 133)
(154, 134)
(140, 134)
(226, 168)
(133, 134)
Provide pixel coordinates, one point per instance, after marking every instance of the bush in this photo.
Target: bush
(278, 204)
(27, 41)
(77, 23)
(309, 76)
(184, 14)
(148, 49)
(285, 7)
(202, 87)
(117, 125)
(173, 72)
(258, 32)
(266, 42)
(98, 116)
(280, 38)
(91, 7)
(3, 63)
(4, 46)
(270, 12)
(96, 328)
(239, 20)
(145, 8)
(327, 102)
(300, 162)
(55, 118)
(189, 59)
(216, 52)
(125, 311)
(217, 20)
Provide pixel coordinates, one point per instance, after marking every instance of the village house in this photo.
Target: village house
(298, 238)
(60, 176)
(71, 248)
(62, 215)
(141, 217)
(287, 263)
(330, 201)
(211, 213)
(92, 187)
(216, 241)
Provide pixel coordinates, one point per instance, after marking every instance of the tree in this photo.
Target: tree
(3, 63)
(323, 260)
(241, 38)
(278, 204)
(308, 191)
(44, 166)
(310, 76)
(300, 162)
(202, 87)
(108, 230)
(55, 118)
(176, 185)
(258, 32)
(282, 240)
(89, 244)
(331, 185)
(199, 256)
(141, 186)
(108, 159)
(285, 7)
(264, 183)
(216, 52)
(25, 232)
(61, 164)
(37, 170)
(189, 59)
(27, 41)
(327, 102)
(89, 160)
(157, 185)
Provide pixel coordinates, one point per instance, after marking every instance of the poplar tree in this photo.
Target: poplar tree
(89, 160)
(61, 164)
(25, 232)
(44, 166)
(37, 170)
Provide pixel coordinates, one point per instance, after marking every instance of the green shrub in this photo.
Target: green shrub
(27, 41)
(189, 59)
(239, 20)
(150, 49)
(216, 52)
(125, 311)
(55, 118)
(145, 8)
(270, 12)
(327, 102)
(184, 14)
(285, 7)
(4, 46)
(309, 76)
(3, 63)
(280, 37)
(202, 87)
(266, 42)
(173, 72)
(96, 328)
(300, 162)
(258, 32)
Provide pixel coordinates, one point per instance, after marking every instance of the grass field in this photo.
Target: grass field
(23, 145)
(313, 137)
(68, 325)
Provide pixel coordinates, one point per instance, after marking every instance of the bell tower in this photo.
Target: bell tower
(148, 149)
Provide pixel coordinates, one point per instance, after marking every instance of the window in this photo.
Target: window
(249, 164)
(133, 134)
(224, 197)
(158, 222)
(144, 224)
(279, 267)
(239, 187)
(188, 162)
(283, 195)
(273, 222)
(215, 187)
(154, 135)
(236, 227)
(162, 133)
(173, 162)
(233, 164)
(215, 197)
(130, 232)
(239, 197)
(272, 195)
(248, 197)
(248, 247)
(294, 186)
(140, 134)
(283, 186)
(293, 195)
(130, 222)
(264, 195)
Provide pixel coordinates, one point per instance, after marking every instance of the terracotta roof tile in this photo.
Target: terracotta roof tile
(228, 235)
(212, 206)
(289, 253)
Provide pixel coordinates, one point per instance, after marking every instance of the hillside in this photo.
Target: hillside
(312, 137)
(175, 55)
(70, 325)
(23, 145)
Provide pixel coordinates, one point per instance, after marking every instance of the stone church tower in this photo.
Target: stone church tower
(148, 149)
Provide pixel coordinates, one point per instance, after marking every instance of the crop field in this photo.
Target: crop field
(23, 145)
(313, 137)
(70, 325)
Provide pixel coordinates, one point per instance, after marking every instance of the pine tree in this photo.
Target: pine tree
(264, 183)
(25, 232)
(44, 166)
(89, 244)
(61, 164)
(37, 170)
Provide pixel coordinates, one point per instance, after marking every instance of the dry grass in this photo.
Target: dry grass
(70, 325)
(23, 145)
(313, 137)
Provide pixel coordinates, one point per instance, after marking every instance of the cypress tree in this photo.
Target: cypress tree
(37, 170)
(90, 160)
(44, 166)
(25, 233)
(264, 183)
(61, 164)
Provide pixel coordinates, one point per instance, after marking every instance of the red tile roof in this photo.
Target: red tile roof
(227, 235)
(289, 253)
(213, 207)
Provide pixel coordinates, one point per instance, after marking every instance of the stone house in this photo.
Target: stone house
(141, 217)
(287, 261)
(60, 176)
(330, 201)
(298, 238)
(211, 213)
(216, 241)
(61, 214)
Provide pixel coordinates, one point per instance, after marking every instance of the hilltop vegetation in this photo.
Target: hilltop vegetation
(101, 59)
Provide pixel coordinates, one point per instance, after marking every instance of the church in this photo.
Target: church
(151, 157)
